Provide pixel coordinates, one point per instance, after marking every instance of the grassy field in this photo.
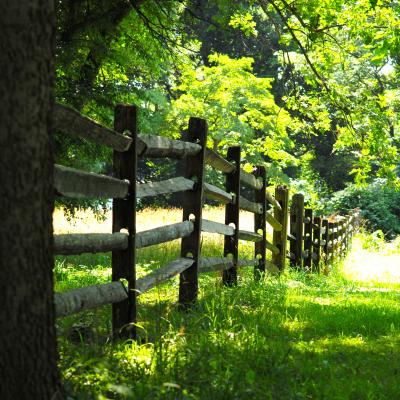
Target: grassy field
(294, 337)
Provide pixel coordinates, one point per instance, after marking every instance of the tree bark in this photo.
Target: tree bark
(27, 335)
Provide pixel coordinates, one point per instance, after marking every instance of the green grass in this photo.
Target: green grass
(294, 337)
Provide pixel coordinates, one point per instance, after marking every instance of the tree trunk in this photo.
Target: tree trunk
(27, 335)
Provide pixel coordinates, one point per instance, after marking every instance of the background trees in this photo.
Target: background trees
(332, 68)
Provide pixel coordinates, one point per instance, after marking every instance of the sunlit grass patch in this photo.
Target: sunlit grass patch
(373, 266)
(86, 221)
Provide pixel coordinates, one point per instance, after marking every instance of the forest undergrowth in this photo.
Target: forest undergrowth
(299, 336)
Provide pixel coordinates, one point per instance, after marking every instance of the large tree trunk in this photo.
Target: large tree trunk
(27, 330)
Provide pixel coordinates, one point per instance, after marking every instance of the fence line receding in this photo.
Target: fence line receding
(312, 239)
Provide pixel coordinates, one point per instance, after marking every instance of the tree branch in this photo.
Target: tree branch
(296, 39)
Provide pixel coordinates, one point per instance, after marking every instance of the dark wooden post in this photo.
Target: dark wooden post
(316, 249)
(335, 244)
(192, 207)
(325, 238)
(344, 230)
(124, 217)
(346, 234)
(340, 239)
(308, 225)
(260, 224)
(280, 237)
(231, 243)
(296, 229)
(331, 246)
(338, 235)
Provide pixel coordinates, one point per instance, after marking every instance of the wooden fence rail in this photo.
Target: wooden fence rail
(312, 239)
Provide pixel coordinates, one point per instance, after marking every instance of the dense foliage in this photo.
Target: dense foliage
(379, 204)
(308, 88)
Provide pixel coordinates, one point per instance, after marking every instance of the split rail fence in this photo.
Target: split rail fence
(309, 237)
(316, 242)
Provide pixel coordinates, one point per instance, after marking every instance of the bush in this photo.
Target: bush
(379, 204)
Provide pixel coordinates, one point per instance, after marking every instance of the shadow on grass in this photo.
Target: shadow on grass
(264, 340)
(239, 345)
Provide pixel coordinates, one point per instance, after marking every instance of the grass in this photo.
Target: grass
(373, 262)
(295, 337)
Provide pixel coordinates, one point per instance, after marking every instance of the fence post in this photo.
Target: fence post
(192, 207)
(280, 237)
(331, 244)
(316, 248)
(308, 229)
(341, 236)
(260, 224)
(325, 238)
(296, 229)
(231, 243)
(335, 240)
(124, 217)
(346, 234)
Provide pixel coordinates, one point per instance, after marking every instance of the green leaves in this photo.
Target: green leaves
(343, 75)
(334, 63)
(373, 3)
(245, 23)
(238, 106)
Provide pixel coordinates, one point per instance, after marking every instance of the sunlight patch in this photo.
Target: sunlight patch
(295, 325)
(363, 265)
(325, 301)
(330, 344)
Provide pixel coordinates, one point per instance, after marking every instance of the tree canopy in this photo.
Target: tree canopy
(308, 88)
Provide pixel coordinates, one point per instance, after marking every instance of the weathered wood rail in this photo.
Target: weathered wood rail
(316, 242)
(321, 240)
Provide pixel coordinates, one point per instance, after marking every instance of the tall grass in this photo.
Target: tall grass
(298, 336)
(373, 261)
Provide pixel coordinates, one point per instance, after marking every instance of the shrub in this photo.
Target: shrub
(379, 204)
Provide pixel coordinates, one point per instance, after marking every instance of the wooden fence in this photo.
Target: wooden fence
(310, 237)
(316, 241)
